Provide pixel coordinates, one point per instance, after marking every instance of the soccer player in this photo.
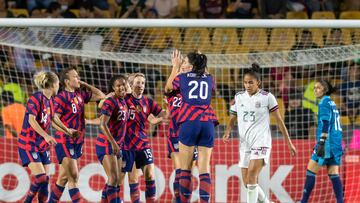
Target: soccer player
(328, 150)
(34, 139)
(113, 119)
(173, 100)
(196, 119)
(252, 110)
(137, 153)
(69, 107)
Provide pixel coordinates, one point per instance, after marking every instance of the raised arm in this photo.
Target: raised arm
(176, 63)
(96, 93)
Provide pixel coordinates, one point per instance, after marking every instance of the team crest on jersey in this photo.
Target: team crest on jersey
(71, 150)
(139, 108)
(257, 104)
(34, 155)
(76, 100)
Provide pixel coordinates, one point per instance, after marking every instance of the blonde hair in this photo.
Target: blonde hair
(45, 79)
(132, 77)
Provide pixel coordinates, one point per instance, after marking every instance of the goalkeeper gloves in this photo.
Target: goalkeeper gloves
(320, 150)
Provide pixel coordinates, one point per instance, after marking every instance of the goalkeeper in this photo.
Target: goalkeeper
(328, 150)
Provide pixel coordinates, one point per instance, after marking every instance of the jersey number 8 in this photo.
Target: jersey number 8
(203, 93)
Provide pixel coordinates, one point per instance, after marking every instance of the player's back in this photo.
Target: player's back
(328, 111)
(196, 90)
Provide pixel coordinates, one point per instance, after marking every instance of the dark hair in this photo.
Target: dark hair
(334, 30)
(87, 6)
(253, 71)
(198, 61)
(113, 79)
(7, 97)
(329, 89)
(53, 6)
(63, 75)
(306, 32)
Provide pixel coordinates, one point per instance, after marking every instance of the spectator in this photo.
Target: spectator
(350, 5)
(305, 42)
(298, 120)
(335, 38)
(31, 4)
(243, 9)
(350, 93)
(319, 5)
(36, 13)
(296, 5)
(273, 9)
(4, 12)
(132, 8)
(213, 8)
(12, 114)
(86, 10)
(164, 8)
(54, 10)
(24, 60)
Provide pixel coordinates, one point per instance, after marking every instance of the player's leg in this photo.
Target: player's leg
(109, 162)
(188, 137)
(333, 172)
(173, 154)
(72, 172)
(255, 166)
(121, 177)
(38, 181)
(57, 189)
(176, 164)
(134, 185)
(312, 169)
(204, 171)
(205, 146)
(150, 191)
(43, 193)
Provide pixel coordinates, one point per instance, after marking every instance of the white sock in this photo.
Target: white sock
(262, 197)
(252, 193)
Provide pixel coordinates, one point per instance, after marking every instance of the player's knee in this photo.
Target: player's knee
(149, 174)
(252, 177)
(133, 179)
(73, 176)
(113, 179)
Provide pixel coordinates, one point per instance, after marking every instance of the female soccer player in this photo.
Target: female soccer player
(252, 109)
(69, 107)
(328, 150)
(34, 140)
(137, 151)
(196, 119)
(113, 119)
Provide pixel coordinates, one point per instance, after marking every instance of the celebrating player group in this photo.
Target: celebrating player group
(123, 145)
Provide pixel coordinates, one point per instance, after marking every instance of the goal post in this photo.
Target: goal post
(292, 54)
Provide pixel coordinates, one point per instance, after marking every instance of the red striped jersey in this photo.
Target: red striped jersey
(42, 108)
(196, 92)
(136, 137)
(70, 106)
(118, 112)
(174, 102)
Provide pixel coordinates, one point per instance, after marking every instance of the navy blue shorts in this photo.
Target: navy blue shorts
(197, 133)
(73, 151)
(27, 157)
(173, 146)
(101, 151)
(140, 158)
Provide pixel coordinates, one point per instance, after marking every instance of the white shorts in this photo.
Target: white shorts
(251, 153)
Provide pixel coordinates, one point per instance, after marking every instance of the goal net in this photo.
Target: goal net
(291, 59)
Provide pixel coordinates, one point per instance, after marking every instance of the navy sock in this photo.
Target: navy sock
(337, 186)
(309, 185)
